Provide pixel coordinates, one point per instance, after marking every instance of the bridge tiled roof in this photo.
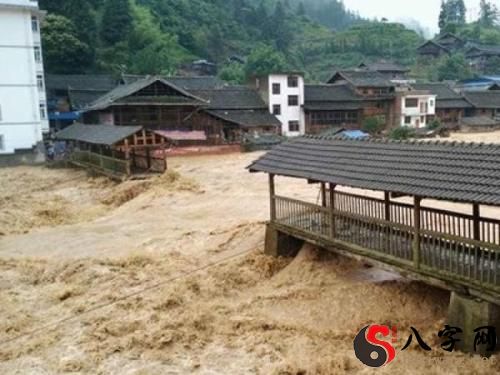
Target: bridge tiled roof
(461, 172)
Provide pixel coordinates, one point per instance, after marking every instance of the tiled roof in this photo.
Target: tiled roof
(362, 78)
(449, 171)
(247, 118)
(331, 98)
(82, 98)
(484, 99)
(233, 97)
(327, 93)
(91, 82)
(442, 90)
(384, 66)
(123, 91)
(97, 134)
(186, 83)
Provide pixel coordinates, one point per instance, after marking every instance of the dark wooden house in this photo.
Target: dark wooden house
(184, 107)
(485, 103)
(374, 89)
(389, 69)
(445, 43)
(330, 107)
(479, 56)
(116, 151)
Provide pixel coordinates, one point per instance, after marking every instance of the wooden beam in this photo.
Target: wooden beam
(476, 215)
(417, 229)
(387, 206)
(332, 210)
(323, 194)
(272, 194)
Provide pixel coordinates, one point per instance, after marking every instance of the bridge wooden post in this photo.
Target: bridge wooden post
(323, 194)
(332, 210)
(272, 194)
(417, 228)
(387, 206)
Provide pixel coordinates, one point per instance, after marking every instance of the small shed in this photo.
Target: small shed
(117, 151)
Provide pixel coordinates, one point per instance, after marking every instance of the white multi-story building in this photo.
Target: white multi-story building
(417, 108)
(284, 93)
(23, 103)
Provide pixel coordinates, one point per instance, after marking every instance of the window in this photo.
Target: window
(0, 113)
(34, 24)
(2, 143)
(422, 119)
(431, 103)
(411, 103)
(277, 109)
(293, 126)
(408, 120)
(39, 82)
(276, 89)
(293, 100)
(293, 81)
(38, 54)
(43, 112)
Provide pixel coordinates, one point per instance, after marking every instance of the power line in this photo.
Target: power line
(184, 274)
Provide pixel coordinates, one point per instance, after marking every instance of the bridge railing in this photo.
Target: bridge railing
(451, 245)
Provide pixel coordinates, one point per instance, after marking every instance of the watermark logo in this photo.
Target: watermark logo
(372, 351)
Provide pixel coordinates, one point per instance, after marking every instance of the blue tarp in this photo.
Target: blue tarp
(354, 134)
(64, 116)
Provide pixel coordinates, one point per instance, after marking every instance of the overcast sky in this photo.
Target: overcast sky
(426, 12)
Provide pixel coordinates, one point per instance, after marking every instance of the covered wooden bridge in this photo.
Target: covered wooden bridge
(453, 250)
(116, 151)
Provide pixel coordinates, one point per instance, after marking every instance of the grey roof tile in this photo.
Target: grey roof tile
(457, 172)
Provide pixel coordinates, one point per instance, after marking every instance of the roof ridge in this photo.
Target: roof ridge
(438, 142)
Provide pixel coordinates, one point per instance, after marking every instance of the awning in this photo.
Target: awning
(64, 116)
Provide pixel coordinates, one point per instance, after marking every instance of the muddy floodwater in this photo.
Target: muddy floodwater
(188, 248)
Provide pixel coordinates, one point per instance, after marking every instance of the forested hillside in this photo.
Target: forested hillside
(157, 36)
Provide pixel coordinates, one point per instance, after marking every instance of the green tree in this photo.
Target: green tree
(233, 73)
(373, 125)
(488, 14)
(453, 67)
(452, 14)
(116, 21)
(264, 60)
(63, 51)
(301, 10)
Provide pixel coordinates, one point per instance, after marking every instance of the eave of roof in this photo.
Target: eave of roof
(448, 171)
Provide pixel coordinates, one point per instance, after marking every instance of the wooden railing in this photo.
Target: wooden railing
(444, 244)
(104, 163)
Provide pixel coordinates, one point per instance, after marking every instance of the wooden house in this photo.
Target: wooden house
(485, 103)
(375, 91)
(443, 44)
(479, 56)
(387, 68)
(116, 151)
(157, 103)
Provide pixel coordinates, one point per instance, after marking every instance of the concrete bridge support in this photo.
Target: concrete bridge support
(469, 313)
(281, 244)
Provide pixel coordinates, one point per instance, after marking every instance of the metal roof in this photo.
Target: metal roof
(439, 170)
(106, 135)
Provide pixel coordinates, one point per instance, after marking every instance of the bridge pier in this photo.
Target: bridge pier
(281, 244)
(470, 313)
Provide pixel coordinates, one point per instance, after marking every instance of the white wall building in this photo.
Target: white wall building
(417, 108)
(23, 103)
(284, 93)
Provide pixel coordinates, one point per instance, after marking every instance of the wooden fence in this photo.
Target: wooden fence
(105, 163)
(445, 244)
